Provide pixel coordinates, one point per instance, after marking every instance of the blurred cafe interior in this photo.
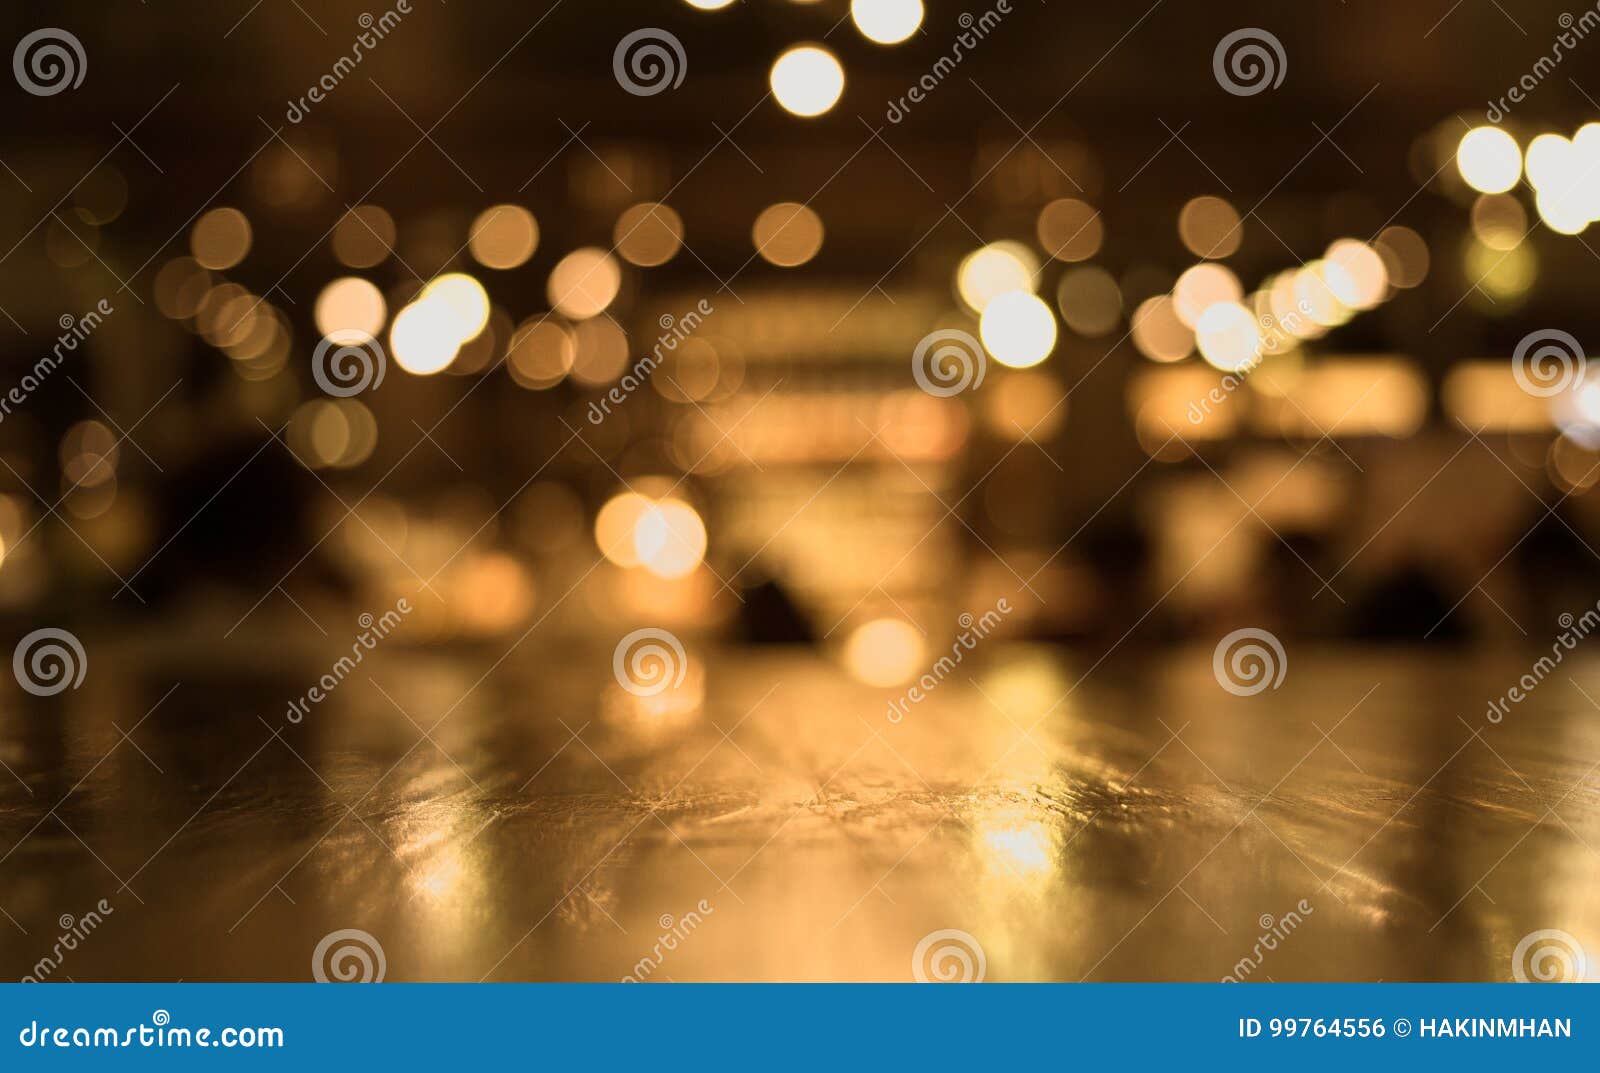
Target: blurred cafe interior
(784, 474)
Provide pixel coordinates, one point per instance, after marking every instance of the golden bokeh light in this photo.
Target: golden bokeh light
(807, 80)
(220, 239)
(1158, 333)
(461, 300)
(1018, 329)
(350, 304)
(1228, 337)
(425, 337)
(584, 283)
(787, 234)
(541, 353)
(615, 525)
(886, 22)
(1210, 228)
(1362, 280)
(1070, 230)
(503, 237)
(1405, 256)
(885, 652)
(648, 234)
(994, 270)
(1499, 221)
(1489, 160)
(1202, 287)
(669, 539)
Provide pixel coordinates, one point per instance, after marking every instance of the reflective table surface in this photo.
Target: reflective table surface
(767, 820)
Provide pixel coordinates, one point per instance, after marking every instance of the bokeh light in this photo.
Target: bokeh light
(503, 237)
(886, 22)
(807, 80)
(1489, 160)
(787, 234)
(1018, 329)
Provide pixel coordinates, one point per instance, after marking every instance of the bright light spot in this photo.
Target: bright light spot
(1018, 329)
(670, 539)
(993, 270)
(584, 282)
(1316, 290)
(461, 300)
(709, 5)
(1562, 209)
(615, 525)
(1202, 287)
(884, 652)
(425, 337)
(350, 304)
(1362, 281)
(1489, 160)
(1228, 337)
(1157, 331)
(1550, 161)
(807, 80)
(887, 22)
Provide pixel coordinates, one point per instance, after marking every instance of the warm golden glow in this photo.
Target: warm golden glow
(885, 652)
(669, 539)
(787, 234)
(1018, 329)
(1228, 337)
(504, 236)
(1489, 160)
(1210, 228)
(424, 338)
(220, 239)
(1202, 287)
(1070, 230)
(648, 234)
(887, 22)
(461, 300)
(807, 80)
(1158, 333)
(994, 270)
(349, 305)
(584, 283)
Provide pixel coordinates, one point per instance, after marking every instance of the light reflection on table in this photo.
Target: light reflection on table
(1141, 829)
